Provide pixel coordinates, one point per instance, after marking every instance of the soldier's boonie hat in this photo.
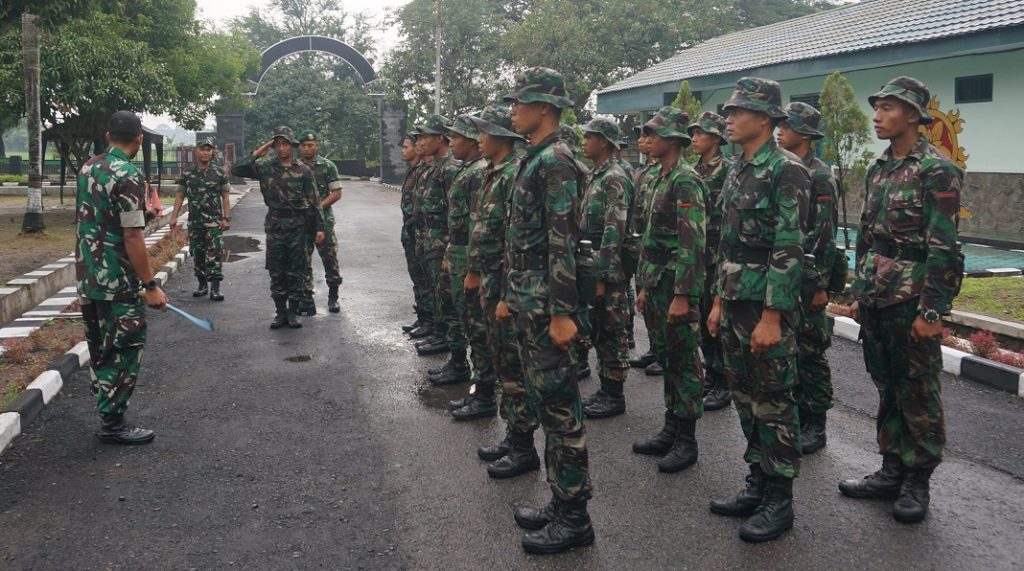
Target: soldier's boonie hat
(464, 126)
(569, 135)
(540, 84)
(207, 142)
(607, 129)
(124, 123)
(910, 91)
(286, 133)
(757, 94)
(712, 124)
(434, 125)
(804, 119)
(496, 120)
(308, 135)
(669, 123)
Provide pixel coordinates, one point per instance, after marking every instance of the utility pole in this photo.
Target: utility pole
(437, 59)
(33, 221)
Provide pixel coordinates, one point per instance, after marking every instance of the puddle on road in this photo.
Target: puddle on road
(235, 245)
(438, 397)
(299, 358)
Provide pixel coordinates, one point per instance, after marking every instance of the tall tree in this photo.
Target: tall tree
(847, 133)
(32, 223)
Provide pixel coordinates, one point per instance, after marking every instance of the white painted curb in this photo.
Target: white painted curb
(849, 329)
(82, 352)
(49, 383)
(10, 427)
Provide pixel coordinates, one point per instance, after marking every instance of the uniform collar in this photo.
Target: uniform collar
(714, 162)
(764, 153)
(917, 151)
(118, 153)
(808, 159)
(549, 140)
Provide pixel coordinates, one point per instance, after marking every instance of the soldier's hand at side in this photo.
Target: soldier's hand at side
(320, 237)
(501, 313)
(641, 300)
(678, 309)
(715, 317)
(562, 331)
(819, 301)
(155, 298)
(173, 223)
(599, 290)
(921, 330)
(472, 281)
(445, 266)
(225, 225)
(855, 311)
(767, 333)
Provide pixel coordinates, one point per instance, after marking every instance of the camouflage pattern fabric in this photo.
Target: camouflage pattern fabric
(206, 245)
(431, 211)
(911, 423)
(762, 388)
(804, 119)
(116, 334)
(420, 283)
(516, 408)
(205, 190)
(711, 123)
(675, 345)
(757, 94)
(540, 84)
(908, 90)
(669, 123)
(109, 199)
(325, 175)
(713, 174)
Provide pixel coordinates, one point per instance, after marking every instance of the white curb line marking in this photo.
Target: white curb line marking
(49, 383)
(10, 426)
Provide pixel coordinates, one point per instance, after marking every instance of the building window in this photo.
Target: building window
(808, 98)
(974, 89)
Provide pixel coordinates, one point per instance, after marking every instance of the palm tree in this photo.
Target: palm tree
(33, 221)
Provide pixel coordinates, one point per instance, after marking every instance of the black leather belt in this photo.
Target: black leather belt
(898, 251)
(459, 239)
(743, 255)
(528, 261)
(660, 258)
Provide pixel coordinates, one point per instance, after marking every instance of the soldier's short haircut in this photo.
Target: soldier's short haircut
(122, 138)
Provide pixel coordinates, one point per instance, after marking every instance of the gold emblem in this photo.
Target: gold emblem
(943, 133)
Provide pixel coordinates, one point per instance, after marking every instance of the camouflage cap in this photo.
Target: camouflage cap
(712, 124)
(908, 90)
(464, 126)
(286, 133)
(669, 123)
(569, 135)
(607, 129)
(804, 119)
(308, 135)
(757, 94)
(434, 125)
(206, 142)
(496, 120)
(540, 84)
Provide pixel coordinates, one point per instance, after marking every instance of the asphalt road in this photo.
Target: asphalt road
(324, 448)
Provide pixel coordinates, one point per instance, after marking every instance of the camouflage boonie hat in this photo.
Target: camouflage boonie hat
(496, 120)
(757, 94)
(908, 90)
(669, 123)
(464, 126)
(569, 135)
(540, 84)
(207, 142)
(286, 133)
(804, 119)
(308, 135)
(607, 129)
(434, 125)
(710, 123)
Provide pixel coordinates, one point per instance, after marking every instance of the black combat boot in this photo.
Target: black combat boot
(683, 453)
(292, 314)
(306, 306)
(332, 299)
(116, 431)
(774, 516)
(717, 395)
(912, 504)
(458, 373)
(201, 291)
(885, 483)
(660, 443)
(423, 330)
(608, 401)
(409, 328)
(570, 529)
(281, 317)
(459, 403)
(521, 458)
(812, 432)
(654, 370)
(215, 294)
(492, 452)
(438, 371)
(433, 346)
(480, 404)
(746, 502)
(644, 360)
(537, 518)
(582, 363)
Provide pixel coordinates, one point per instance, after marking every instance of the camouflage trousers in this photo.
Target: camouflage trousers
(286, 262)
(607, 331)
(328, 250)
(445, 314)
(911, 422)
(116, 333)
(675, 345)
(206, 245)
(813, 388)
(711, 347)
(551, 384)
(471, 316)
(762, 388)
(518, 412)
(420, 284)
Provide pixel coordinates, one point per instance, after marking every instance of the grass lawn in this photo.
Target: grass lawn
(997, 297)
(22, 254)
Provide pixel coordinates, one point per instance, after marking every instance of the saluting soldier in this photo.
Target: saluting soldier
(908, 272)
(760, 270)
(328, 188)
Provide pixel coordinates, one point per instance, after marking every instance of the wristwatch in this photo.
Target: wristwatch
(931, 316)
(151, 284)
(227, 219)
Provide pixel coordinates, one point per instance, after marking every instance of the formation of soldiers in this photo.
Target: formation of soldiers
(523, 259)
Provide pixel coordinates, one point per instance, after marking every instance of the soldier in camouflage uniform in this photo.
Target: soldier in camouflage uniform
(217, 160)
(603, 213)
(427, 306)
(629, 240)
(908, 272)
(708, 134)
(671, 278)
(814, 377)
(412, 174)
(207, 189)
(760, 270)
(328, 187)
(111, 267)
(540, 294)
(641, 181)
(430, 207)
(289, 192)
(463, 197)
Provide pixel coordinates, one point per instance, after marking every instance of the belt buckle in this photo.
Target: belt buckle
(898, 250)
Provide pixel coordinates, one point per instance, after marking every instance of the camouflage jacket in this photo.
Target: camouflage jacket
(430, 205)
(289, 192)
(217, 161)
(713, 174)
(110, 198)
(463, 197)
(542, 233)
(822, 220)
(641, 182)
(327, 180)
(760, 254)
(205, 190)
(409, 188)
(673, 239)
(913, 204)
(490, 220)
(603, 217)
(626, 167)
